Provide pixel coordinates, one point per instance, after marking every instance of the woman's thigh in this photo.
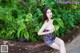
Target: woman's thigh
(59, 41)
(55, 46)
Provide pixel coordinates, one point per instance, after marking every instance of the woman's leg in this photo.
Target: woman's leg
(55, 46)
(60, 42)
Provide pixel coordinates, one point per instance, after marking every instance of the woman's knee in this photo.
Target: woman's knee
(62, 43)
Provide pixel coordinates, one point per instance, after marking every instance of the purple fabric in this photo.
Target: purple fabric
(48, 38)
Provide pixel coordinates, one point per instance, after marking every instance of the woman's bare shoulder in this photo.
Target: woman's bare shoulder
(45, 22)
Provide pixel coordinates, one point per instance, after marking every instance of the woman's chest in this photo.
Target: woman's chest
(50, 26)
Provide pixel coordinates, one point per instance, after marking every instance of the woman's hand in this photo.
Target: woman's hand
(51, 30)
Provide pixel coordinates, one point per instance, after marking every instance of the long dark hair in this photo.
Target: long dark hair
(44, 10)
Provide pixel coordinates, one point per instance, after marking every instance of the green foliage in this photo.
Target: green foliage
(23, 18)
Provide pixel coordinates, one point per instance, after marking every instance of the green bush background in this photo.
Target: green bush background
(23, 18)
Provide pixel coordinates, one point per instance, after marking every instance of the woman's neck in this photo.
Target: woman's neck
(49, 19)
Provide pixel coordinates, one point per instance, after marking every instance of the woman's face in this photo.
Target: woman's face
(49, 13)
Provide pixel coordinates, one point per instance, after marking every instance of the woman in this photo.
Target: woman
(47, 29)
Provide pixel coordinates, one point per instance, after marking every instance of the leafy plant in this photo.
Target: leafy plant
(23, 18)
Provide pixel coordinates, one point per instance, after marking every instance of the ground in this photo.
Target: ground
(74, 46)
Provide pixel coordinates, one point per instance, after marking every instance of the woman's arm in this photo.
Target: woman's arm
(40, 32)
(43, 33)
